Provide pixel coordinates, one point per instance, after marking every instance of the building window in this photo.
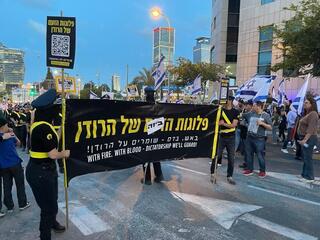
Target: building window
(266, 1)
(265, 50)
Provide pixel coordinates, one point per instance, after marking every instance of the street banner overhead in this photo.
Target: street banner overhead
(69, 84)
(108, 135)
(61, 41)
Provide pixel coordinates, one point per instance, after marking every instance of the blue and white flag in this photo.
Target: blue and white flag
(298, 101)
(159, 74)
(318, 102)
(196, 87)
(263, 92)
(92, 95)
(249, 89)
(281, 93)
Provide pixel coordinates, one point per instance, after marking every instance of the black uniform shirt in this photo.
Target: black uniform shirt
(43, 139)
(231, 115)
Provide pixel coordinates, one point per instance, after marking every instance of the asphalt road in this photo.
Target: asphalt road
(115, 205)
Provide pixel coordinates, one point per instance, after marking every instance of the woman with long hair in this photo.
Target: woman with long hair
(307, 131)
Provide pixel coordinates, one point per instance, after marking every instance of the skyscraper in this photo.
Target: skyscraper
(224, 34)
(116, 83)
(11, 67)
(163, 45)
(201, 52)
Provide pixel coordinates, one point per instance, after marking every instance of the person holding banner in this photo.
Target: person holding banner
(149, 93)
(228, 124)
(41, 172)
(307, 131)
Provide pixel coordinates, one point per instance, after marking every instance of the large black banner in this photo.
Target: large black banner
(61, 41)
(108, 135)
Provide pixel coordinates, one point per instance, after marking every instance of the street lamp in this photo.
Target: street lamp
(156, 13)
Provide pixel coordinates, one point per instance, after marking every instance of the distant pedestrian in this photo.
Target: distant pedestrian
(307, 131)
(291, 119)
(282, 125)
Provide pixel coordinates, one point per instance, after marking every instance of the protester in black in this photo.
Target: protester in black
(149, 92)
(41, 172)
(228, 123)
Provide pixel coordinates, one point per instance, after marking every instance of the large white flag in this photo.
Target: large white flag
(196, 87)
(249, 89)
(281, 93)
(263, 92)
(159, 74)
(298, 101)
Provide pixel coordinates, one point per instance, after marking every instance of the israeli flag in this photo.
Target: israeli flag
(281, 93)
(196, 87)
(159, 74)
(249, 89)
(264, 88)
(298, 101)
(92, 95)
(318, 102)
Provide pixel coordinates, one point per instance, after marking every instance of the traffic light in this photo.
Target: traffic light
(33, 91)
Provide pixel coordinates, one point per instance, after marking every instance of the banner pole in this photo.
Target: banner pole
(63, 97)
(216, 143)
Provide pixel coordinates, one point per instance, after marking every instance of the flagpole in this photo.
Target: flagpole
(63, 96)
(215, 143)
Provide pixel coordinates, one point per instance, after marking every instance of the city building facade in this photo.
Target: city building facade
(163, 44)
(201, 51)
(12, 67)
(116, 83)
(255, 50)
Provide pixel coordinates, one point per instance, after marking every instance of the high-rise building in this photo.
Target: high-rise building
(11, 67)
(163, 44)
(242, 39)
(201, 52)
(116, 83)
(224, 35)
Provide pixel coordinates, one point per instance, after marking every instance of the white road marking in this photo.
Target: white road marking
(221, 211)
(85, 220)
(276, 228)
(285, 195)
(187, 169)
(290, 178)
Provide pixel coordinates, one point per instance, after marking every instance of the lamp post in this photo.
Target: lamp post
(156, 13)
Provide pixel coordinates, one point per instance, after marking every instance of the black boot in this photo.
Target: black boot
(58, 228)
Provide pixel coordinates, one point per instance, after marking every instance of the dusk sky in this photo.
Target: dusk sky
(110, 34)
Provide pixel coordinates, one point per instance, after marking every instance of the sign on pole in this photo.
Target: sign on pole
(61, 41)
(69, 84)
(224, 91)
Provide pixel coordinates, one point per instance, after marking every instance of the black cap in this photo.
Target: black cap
(231, 98)
(250, 102)
(3, 122)
(149, 89)
(45, 100)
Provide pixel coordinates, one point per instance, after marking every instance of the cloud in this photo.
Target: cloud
(40, 4)
(36, 26)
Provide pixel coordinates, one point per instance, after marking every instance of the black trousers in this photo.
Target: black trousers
(157, 170)
(43, 180)
(21, 133)
(0, 191)
(8, 174)
(229, 144)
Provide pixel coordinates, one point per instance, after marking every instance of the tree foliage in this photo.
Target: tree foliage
(298, 38)
(85, 92)
(186, 71)
(143, 79)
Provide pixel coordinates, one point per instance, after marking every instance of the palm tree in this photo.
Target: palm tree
(143, 79)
